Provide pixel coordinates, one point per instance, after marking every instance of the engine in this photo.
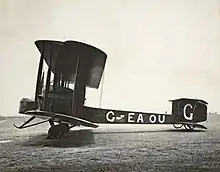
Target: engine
(26, 105)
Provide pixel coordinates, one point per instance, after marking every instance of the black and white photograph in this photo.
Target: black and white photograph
(110, 85)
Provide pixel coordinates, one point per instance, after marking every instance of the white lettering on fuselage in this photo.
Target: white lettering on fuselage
(136, 118)
(140, 118)
(190, 117)
(161, 120)
(152, 118)
(110, 118)
(131, 117)
(120, 117)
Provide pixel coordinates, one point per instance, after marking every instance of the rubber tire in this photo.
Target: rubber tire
(181, 125)
(57, 131)
(54, 132)
(64, 128)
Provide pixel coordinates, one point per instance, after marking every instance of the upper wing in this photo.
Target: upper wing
(61, 117)
(63, 57)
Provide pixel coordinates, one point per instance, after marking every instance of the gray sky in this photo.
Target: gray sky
(157, 50)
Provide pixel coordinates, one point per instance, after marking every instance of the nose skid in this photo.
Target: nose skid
(24, 125)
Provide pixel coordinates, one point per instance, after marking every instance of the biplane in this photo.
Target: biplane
(60, 97)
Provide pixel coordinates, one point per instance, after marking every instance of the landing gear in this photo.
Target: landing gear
(177, 127)
(188, 127)
(57, 131)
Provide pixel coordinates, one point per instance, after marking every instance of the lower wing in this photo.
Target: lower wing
(61, 117)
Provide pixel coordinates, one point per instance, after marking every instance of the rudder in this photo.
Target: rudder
(189, 110)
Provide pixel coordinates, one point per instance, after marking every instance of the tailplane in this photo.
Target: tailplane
(189, 112)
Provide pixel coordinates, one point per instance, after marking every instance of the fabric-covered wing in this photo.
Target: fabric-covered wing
(63, 56)
(61, 117)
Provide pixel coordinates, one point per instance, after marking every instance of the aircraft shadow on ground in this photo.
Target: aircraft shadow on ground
(154, 131)
(80, 138)
(75, 138)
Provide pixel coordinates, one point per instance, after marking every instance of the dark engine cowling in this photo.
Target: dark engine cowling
(26, 105)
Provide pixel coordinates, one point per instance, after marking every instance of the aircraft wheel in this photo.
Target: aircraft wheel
(54, 132)
(176, 126)
(189, 127)
(64, 128)
(57, 131)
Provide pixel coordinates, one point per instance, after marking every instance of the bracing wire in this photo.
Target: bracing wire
(101, 93)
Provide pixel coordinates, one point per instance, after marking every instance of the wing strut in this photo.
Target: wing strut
(28, 121)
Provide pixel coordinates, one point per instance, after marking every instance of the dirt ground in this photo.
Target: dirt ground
(111, 148)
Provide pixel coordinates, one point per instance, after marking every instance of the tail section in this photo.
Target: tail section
(186, 110)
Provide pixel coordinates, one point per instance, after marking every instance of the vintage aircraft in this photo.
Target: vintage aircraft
(81, 65)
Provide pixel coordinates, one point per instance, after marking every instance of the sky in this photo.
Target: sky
(157, 50)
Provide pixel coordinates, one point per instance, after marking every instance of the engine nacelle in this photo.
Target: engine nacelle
(26, 105)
